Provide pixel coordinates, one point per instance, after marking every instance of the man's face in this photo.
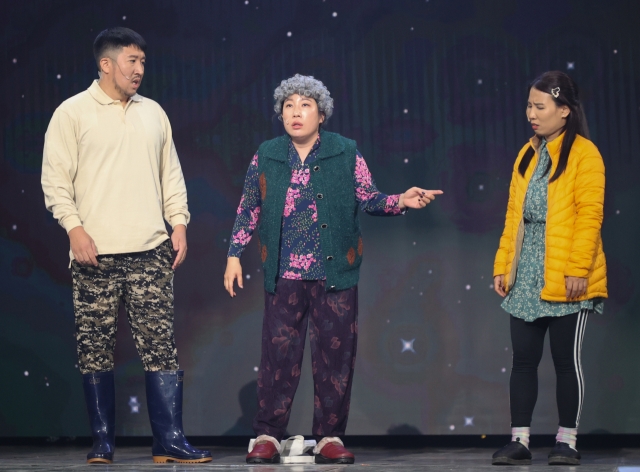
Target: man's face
(128, 70)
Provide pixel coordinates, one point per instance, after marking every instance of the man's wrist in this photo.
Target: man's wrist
(178, 219)
(71, 223)
(75, 229)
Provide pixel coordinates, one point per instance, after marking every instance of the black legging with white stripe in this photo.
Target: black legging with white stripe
(527, 338)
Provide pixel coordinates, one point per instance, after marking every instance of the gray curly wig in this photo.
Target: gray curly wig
(306, 86)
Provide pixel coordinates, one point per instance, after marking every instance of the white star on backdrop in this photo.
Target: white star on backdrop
(407, 345)
(468, 421)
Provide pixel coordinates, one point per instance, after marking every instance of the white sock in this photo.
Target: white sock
(568, 436)
(521, 435)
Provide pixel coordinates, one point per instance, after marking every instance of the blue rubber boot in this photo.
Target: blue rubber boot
(164, 402)
(100, 396)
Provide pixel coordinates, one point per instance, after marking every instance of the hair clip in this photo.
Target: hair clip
(555, 92)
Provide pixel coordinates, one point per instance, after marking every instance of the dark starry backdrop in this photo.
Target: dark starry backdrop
(434, 92)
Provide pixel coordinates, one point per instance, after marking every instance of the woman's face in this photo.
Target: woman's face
(301, 117)
(546, 118)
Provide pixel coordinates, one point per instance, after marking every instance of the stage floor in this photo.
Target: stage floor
(52, 458)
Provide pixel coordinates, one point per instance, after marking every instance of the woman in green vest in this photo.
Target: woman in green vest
(302, 193)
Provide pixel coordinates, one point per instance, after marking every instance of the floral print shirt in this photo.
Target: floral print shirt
(523, 301)
(300, 252)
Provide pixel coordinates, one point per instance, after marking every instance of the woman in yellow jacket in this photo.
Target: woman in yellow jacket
(550, 266)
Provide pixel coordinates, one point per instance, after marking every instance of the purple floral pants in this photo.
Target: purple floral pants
(333, 334)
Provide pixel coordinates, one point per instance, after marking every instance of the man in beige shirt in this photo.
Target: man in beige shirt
(110, 174)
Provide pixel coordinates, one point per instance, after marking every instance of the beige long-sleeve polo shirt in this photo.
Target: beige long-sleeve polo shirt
(113, 170)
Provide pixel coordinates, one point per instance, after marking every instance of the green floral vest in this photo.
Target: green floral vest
(338, 223)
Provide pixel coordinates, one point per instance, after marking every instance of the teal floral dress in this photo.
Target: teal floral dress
(523, 301)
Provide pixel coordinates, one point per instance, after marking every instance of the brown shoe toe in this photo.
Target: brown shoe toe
(265, 453)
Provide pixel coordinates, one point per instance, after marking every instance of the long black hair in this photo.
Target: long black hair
(564, 92)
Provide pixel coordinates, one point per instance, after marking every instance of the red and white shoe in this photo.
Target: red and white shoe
(334, 452)
(264, 453)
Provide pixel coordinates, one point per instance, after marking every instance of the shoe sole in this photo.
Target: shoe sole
(165, 459)
(264, 460)
(319, 459)
(563, 461)
(509, 461)
(98, 460)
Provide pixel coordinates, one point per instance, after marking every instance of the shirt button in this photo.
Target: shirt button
(316, 168)
(329, 258)
(323, 225)
(320, 196)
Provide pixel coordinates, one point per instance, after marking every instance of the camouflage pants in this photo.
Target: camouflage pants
(144, 283)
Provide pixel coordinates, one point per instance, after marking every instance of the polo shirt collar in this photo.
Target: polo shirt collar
(102, 98)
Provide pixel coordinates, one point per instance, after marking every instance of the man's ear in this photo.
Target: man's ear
(105, 65)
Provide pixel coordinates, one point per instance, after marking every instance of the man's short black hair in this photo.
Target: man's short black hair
(116, 38)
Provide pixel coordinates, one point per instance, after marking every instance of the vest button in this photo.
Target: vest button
(323, 225)
(316, 168)
(332, 287)
(320, 196)
(329, 258)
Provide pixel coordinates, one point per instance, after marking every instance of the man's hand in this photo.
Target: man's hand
(576, 287)
(233, 273)
(83, 247)
(417, 198)
(179, 240)
(498, 285)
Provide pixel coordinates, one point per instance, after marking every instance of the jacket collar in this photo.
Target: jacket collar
(330, 146)
(553, 147)
(102, 98)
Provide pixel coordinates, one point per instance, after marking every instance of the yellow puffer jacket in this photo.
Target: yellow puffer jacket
(574, 219)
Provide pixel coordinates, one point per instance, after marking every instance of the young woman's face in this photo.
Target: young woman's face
(546, 118)
(301, 116)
